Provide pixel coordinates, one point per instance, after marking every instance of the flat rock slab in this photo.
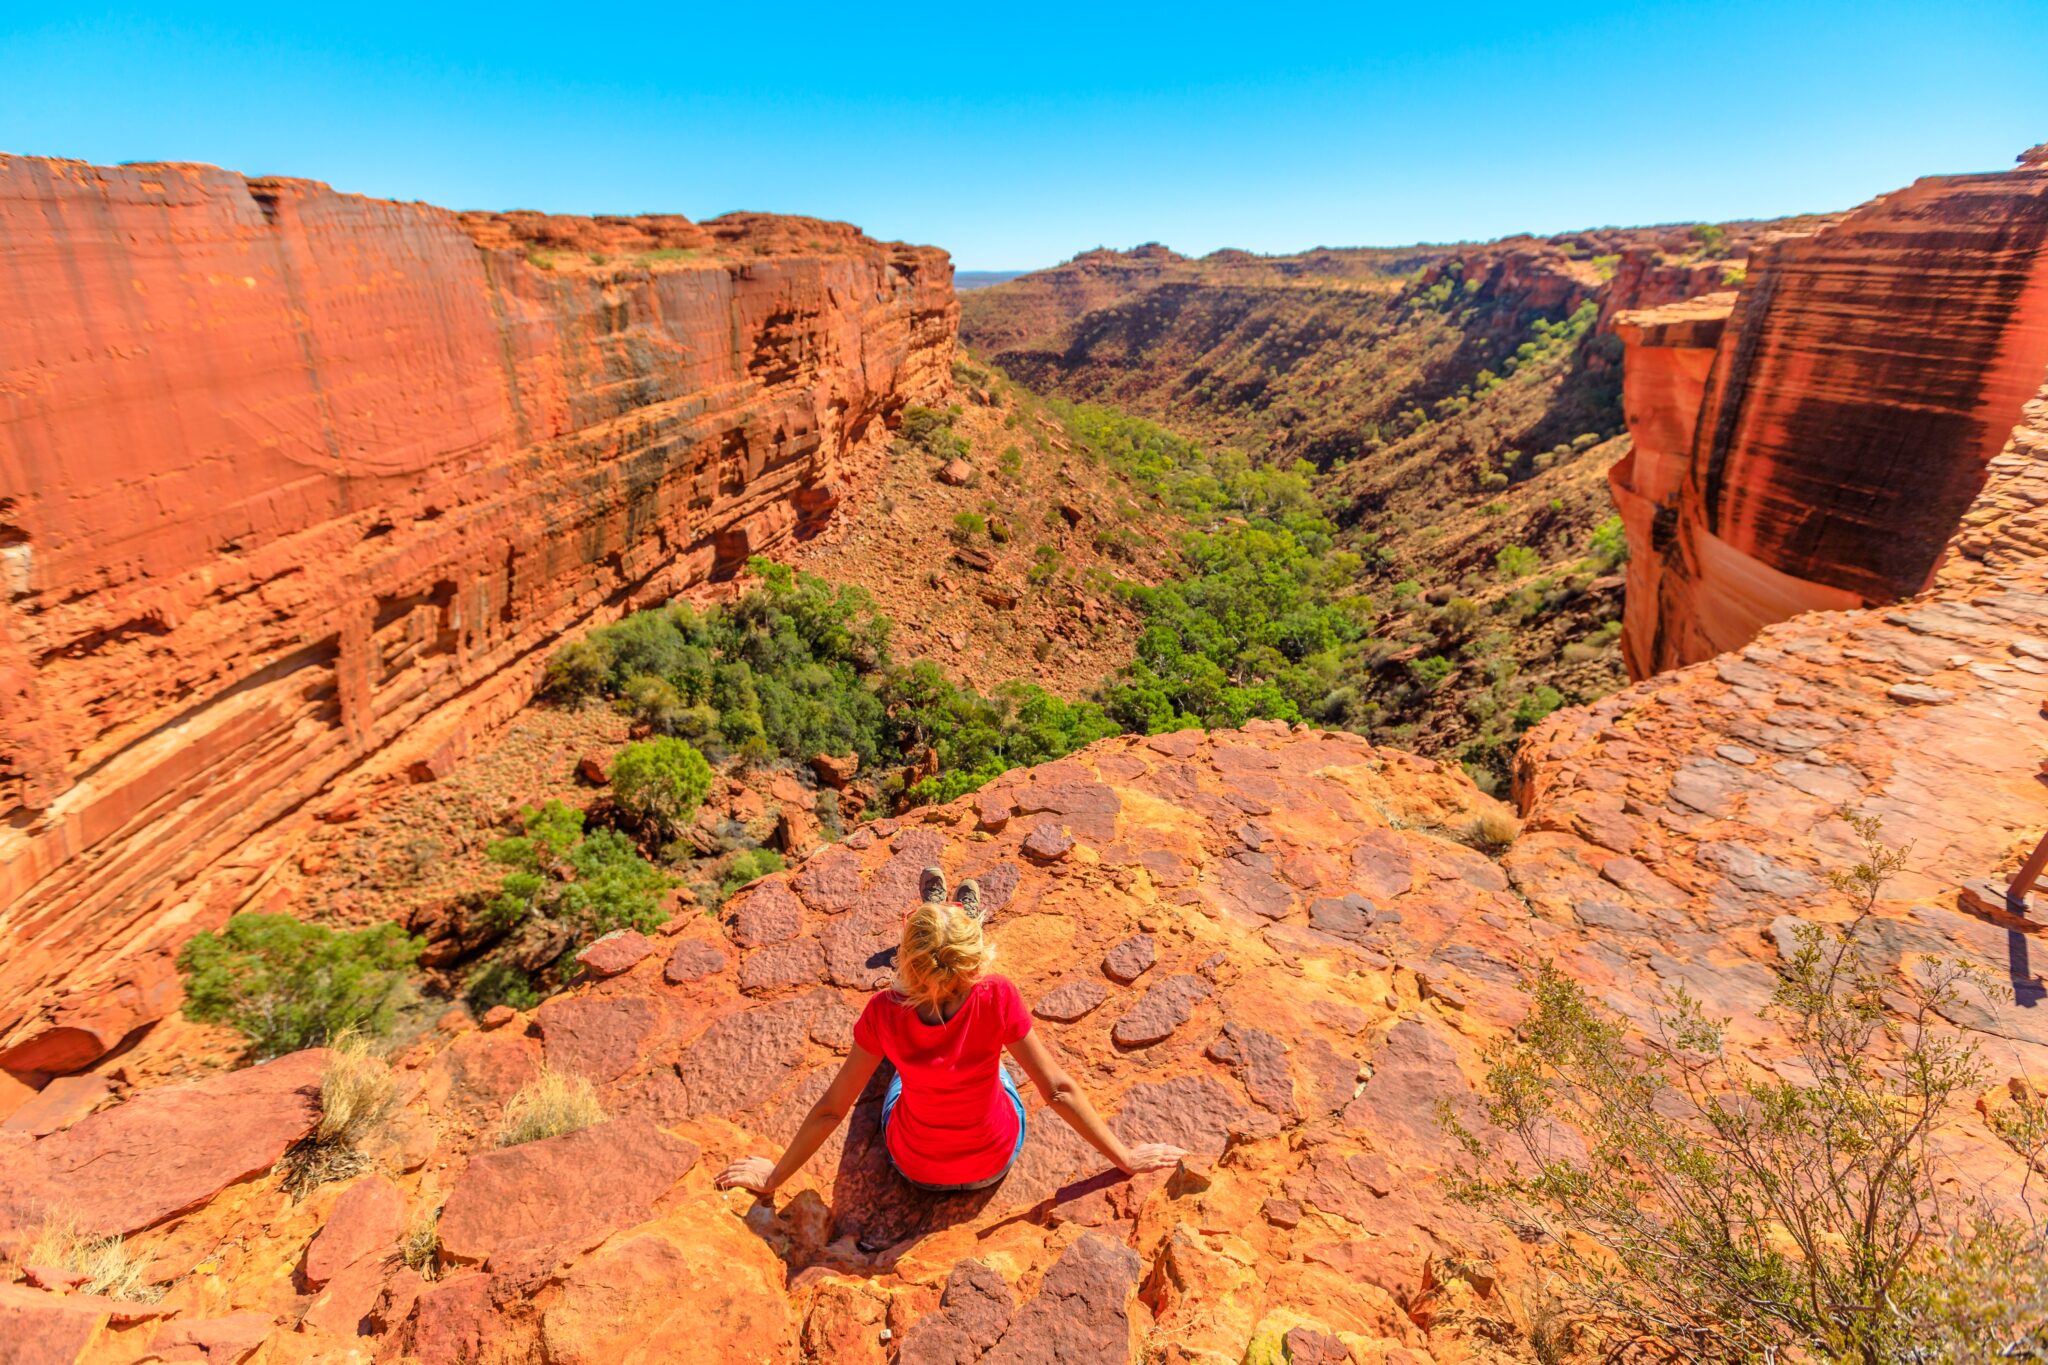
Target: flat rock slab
(1260, 1060)
(616, 952)
(217, 1341)
(1064, 1004)
(974, 1312)
(166, 1151)
(59, 1104)
(595, 1036)
(1131, 959)
(1349, 916)
(693, 960)
(1048, 843)
(1081, 1312)
(41, 1328)
(743, 1058)
(561, 1189)
(1197, 1112)
(367, 1220)
(767, 912)
(1160, 1011)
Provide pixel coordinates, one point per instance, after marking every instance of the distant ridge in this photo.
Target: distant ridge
(964, 280)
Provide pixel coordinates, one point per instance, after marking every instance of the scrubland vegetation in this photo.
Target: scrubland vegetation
(287, 983)
(1703, 1208)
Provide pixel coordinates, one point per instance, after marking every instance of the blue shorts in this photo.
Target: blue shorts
(895, 1092)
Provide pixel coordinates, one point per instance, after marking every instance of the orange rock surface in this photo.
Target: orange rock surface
(1813, 442)
(1271, 947)
(298, 481)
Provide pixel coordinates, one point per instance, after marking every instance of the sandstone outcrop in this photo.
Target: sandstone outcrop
(1812, 441)
(1333, 961)
(297, 481)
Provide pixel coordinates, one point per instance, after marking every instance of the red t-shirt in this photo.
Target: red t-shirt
(953, 1123)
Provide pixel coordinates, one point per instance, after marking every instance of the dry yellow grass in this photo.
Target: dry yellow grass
(358, 1094)
(109, 1267)
(1492, 830)
(422, 1246)
(550, 1105)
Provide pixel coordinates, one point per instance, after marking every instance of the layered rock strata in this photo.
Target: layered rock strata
(291, 480)
(1813, 440)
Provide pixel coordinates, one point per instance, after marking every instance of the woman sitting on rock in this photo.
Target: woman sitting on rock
(952, 1118)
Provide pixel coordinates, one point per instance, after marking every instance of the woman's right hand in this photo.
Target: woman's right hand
(1151, 1156)
(748, 1173)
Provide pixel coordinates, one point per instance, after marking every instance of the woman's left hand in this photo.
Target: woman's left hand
(748, 1173)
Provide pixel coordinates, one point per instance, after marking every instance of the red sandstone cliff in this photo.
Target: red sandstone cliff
(1812, 441)
(290, 479)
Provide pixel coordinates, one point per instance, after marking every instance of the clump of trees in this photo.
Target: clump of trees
(798, 667)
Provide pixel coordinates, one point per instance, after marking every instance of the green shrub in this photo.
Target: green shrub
(749, 864)
(589, 884)
(1537, 704)
(1717, 1211)
(661, 782)
(1515, 561)
(578, 669)
(932, 432)
(1608, 546)
(288, 984)
(500, 983)
(1432, 671)
(968, 525)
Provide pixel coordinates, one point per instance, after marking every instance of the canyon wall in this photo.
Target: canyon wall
(293, 479)
(1811, 441)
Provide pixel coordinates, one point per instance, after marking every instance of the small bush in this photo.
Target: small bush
(590, 884)
(1609, 545)
(287, 984)
(1513, 562)
(578, 669)
(107, 1264)
(500, 983)
(1431, 672)
(662, 782)
(968, 525)
(748, 865)
(551, 1104)
(1539, 702)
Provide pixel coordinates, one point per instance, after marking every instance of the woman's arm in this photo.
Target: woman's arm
(1067, 1100)
(758, 1174)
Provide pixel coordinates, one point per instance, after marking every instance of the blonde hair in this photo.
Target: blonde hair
(941, 954)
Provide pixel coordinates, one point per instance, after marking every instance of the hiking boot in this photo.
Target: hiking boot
(931, 886)
(969, 897)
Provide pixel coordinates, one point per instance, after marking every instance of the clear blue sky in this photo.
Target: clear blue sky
(1016, 135)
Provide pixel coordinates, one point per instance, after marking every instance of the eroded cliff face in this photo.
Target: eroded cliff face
(1812, 441)
(292, 479)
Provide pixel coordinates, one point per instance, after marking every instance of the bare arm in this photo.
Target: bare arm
(1065, 1098)
(757, 1174)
